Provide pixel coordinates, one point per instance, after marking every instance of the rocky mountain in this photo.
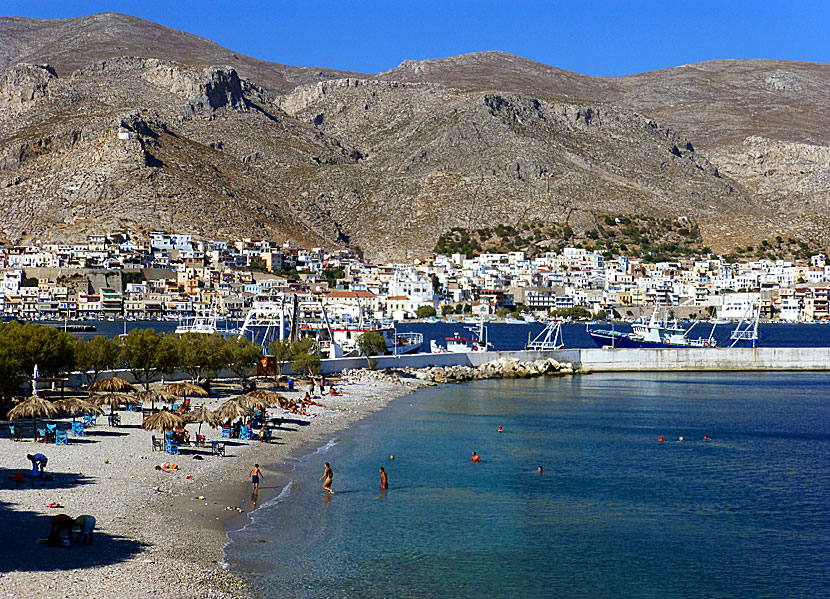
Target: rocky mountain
(112, 123)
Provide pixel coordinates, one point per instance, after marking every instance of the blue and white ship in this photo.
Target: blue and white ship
(654, 333)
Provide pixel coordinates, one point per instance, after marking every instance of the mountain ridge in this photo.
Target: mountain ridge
(222, 144)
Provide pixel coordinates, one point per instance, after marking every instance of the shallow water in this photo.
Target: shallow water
(615, 513)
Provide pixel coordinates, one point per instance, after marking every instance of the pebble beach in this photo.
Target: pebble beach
(158, 533)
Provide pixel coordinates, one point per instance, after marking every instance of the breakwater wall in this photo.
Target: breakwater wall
(619, 360)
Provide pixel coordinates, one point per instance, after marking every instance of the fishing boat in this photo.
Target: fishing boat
(654, 333)
(458, 344)
(335, 328)
(207, 323)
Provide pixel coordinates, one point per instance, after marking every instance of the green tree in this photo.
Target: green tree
(242, 356)
(305, 357)
(371, 343)
(425, 312)
(283, 351)
(23, 346)
(201, 355)
(95, 356)
(148, 355)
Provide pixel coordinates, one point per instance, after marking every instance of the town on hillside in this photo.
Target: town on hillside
(174, 276)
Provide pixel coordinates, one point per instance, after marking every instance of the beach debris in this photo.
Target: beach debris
(54, 504)
(200, 497)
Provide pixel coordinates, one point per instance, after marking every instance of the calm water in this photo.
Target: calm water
(615, 513)
(515, 336)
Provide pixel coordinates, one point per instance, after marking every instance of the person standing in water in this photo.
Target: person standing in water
(384, 483)
(475, 459)
(256, 474)
(328, 475)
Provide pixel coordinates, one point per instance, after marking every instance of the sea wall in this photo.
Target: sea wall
(620, 360)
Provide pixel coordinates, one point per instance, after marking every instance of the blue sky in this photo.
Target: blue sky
(595, 38)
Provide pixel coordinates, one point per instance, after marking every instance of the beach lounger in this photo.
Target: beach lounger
(14, 436)
(62, 437)
(172, 448)
(157, 444)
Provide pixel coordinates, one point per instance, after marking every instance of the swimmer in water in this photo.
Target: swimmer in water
(540, 470)
(475, 459)
(706, 438)
(500, 429)
(329, 476)
(384, 483)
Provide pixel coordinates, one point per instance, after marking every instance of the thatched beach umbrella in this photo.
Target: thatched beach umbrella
(74, 406)
(112, 400)
(111, 385)
(185, 389)
(254, 403)
(152, 395)
(232, 409)
(163, 421)
(32, 408)
(202, 415)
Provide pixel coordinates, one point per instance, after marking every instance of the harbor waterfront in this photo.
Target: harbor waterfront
(615, 512)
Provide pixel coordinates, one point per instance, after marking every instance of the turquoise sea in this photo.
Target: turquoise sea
(615, 513)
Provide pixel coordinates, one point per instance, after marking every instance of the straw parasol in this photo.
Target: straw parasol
(152, 395)
(112, 400)
(253, 403)
(184, 388)
(73, 406)
(202, 415)
(232, 409)
(32, 408)
(163, 421)
(270, 397)
(111, 385)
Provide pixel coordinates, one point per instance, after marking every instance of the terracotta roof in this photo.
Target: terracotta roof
(345, 294)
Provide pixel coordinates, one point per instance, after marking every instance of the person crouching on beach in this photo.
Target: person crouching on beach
(86, 524)
(329, 476)
(384, 482)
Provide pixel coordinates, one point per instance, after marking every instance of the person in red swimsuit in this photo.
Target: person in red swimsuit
(384, 483)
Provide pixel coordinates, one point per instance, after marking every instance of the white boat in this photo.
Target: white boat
(654, 333)
(458, 344)
(206, 323)
(336, 335)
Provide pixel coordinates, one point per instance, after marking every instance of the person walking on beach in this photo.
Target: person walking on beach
(384, 483)
(329, 476)
(256, 474)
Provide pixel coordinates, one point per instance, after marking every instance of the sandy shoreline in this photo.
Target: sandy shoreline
(153, 537)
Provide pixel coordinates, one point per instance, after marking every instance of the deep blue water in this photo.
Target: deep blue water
(515, 336)
(614, 514)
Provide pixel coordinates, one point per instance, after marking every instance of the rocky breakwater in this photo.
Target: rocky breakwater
(502, 368)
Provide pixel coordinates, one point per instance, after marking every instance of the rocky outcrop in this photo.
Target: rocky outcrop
(501, 368)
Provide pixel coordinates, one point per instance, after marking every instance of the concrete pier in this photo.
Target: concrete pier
(621, 360)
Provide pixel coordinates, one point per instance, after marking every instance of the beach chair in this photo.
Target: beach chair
(14, 435)
(40, 434)
(62, 437)
(244, 435)
(115, 419)
(226, 432)
(78, 429)
(200, 440)
(217, 448)
(172, 448)
(52, 427)
(90, 420)
(157, 444)
(174, 407)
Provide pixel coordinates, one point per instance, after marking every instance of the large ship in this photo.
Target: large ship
(654, 333)
(335, 328)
